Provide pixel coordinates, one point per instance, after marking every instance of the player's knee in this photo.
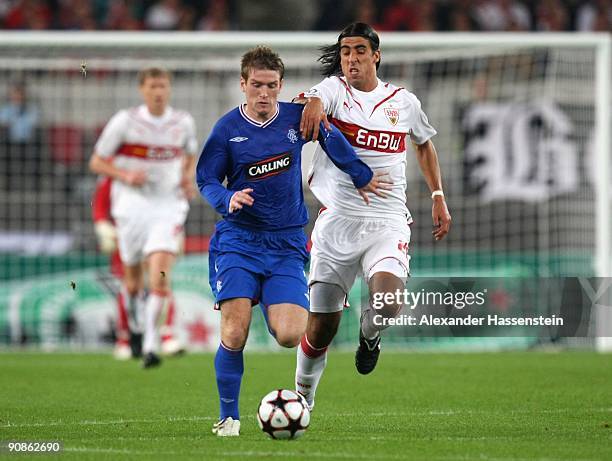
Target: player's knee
(132, 287)
(327, 295)
(234, 341)
(385, 305)
(389, 310)
(383, 287)
(288, 338)
(235, 336)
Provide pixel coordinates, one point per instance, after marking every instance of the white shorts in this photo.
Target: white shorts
(343, 247)
(139, 236)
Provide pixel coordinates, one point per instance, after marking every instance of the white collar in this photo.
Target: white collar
(255, 122)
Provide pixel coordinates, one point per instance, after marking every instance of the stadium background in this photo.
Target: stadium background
(516, 142)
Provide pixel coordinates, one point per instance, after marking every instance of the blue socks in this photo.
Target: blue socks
(229, 367)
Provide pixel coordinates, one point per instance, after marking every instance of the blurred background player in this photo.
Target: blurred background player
(350, 238)
(129, 326)
(258, 251)
(19, 119)
(149, 152)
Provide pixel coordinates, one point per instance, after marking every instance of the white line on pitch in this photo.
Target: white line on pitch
(111, 422)
(341, 415)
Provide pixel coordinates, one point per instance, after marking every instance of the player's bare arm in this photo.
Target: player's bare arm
(188, 173)
(241, 198)
(380, 182)
(312, 115)
(430, 167)
(105, 167)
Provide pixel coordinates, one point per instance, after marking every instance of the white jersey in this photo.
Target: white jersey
(376, 124)
(137, 140)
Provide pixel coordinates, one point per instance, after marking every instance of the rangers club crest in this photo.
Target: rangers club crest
(292, 136)
(392, 115)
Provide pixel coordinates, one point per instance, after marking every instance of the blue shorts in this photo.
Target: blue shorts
(265, 267)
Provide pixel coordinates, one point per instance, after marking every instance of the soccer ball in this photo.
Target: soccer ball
(283, 414)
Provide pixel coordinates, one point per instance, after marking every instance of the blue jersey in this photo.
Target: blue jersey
(266, 157)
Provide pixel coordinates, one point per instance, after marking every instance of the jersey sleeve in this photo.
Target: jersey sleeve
(421, 130)
(112, 135)
(342, 154)
(327, 90)
(191, 142)
(211, 171)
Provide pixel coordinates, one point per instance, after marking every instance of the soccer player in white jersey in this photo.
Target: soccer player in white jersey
(149, 151)
(349, 237)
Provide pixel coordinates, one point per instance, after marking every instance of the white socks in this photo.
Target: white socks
(155, 303)
(310, 365)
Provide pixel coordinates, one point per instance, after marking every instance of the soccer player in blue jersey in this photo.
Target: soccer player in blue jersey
(258, 251)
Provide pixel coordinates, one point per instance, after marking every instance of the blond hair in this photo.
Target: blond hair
(153, 72)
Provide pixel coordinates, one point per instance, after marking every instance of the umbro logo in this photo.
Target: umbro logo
(238, 139)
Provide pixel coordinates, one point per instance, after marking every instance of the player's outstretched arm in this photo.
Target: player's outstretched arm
(430, 167)
(312, 115)
(211, 171)
(380, 182)
(105, 167)
(188, 165)
(342, 154)
(188, 175)
(319, 100)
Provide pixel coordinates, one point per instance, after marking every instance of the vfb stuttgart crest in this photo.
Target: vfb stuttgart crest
(392, 115)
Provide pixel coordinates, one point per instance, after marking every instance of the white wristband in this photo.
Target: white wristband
(437, 192)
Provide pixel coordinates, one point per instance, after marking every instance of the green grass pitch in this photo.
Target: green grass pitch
(505, 406)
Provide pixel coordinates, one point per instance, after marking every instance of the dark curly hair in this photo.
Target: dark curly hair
(330, 57)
